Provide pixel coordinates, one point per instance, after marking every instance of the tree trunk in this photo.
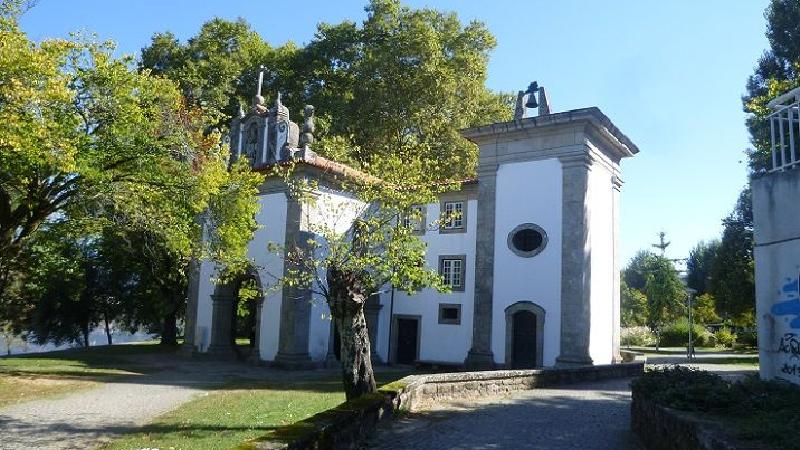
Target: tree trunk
(347, 308)
(108, 328)
(86, 335)
(169, 330)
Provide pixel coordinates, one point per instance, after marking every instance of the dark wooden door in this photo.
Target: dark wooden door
(524, 340)
(407, 330)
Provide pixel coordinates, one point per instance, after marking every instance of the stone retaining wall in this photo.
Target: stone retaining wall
(661, 428)
(349, 423)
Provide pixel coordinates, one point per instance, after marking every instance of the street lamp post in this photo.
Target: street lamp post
(690, 348)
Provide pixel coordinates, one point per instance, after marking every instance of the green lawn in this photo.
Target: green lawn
(227, 417)
(38, 375)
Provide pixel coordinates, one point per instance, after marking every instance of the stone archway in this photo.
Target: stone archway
(524, 335)
(225, 320)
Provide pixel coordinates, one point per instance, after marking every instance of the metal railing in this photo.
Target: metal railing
(784, 125)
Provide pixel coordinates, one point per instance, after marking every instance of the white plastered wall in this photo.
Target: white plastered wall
(528, 192)
(336, 211)
(447, 343)
(601, 236)
(272, 218)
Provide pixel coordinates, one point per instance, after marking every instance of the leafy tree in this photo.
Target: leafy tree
(346, 267)
(698, 266)
(664, 290)
(775, 73)
(656, 277)
(634, 273)
(87, 139)
(634, 306)
(732, 274)
(404, 79)
(704, 309)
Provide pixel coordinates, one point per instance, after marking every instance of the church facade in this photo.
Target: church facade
(530, 253)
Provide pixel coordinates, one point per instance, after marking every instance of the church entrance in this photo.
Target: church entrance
(524, 335)
(406, 339)
(524, 340)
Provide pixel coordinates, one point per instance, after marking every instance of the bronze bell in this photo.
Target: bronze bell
(533, 88)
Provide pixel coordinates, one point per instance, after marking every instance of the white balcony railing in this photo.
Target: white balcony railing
(784, 125)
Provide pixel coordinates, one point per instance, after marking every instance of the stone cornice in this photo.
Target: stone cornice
(620, 144)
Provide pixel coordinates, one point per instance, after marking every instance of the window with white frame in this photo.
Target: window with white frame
(453, 215)
(452, 270)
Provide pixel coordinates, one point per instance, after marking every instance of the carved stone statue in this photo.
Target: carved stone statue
(250, 149)
(308, 126)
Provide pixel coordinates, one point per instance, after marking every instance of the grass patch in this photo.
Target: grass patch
(38, 375)
(16, 389)
(755, 410)
(243, 411)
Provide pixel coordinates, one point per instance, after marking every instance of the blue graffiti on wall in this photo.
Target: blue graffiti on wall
(790, 294)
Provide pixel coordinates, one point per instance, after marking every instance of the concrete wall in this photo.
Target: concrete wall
(777, 258)
(528, 192)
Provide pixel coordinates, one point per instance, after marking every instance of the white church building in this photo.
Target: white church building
(532, 259)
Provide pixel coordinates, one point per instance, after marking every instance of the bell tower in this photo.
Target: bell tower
(548, 196)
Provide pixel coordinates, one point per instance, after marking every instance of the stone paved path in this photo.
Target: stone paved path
(588, 416)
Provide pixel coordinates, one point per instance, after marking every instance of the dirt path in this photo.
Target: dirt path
(88, 418)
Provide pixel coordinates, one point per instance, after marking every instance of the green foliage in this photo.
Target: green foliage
(747, 338)
(775, 73)
(633, 306)
(89, 144)
(638, 336)
(664, 290)
(725, 338)
(732, 280)
(756, 410)
(676, 334)
(698, 266)
(704, 309)
(405, 80)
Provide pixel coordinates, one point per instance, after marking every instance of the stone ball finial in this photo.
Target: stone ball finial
(258, 100)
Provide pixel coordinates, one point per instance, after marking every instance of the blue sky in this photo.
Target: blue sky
(668, 74)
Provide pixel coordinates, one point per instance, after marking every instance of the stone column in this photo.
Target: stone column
(221, 321)
(616, 184)
(255, 353)
(575, 262)
(372, 310)
(480, 356)
(193, 294)
(295, 302)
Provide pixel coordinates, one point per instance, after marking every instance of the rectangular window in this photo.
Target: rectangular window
(449, 314)
(415, 220)
(453, 215)
(452, 270)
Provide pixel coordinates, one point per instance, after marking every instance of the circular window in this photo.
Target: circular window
(527, 240)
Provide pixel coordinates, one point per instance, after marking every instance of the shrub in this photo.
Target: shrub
(747, 338)
(638, 336)
(765, 411)
(676, 334)
(725, 338)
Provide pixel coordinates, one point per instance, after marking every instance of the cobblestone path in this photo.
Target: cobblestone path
(584, 416)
